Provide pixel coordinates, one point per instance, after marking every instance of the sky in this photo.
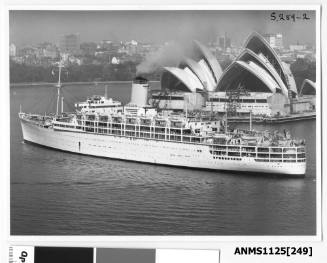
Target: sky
(28, 27)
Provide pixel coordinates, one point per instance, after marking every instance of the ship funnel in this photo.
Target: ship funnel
(140, 87)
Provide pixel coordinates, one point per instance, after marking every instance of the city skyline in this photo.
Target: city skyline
(156, 26)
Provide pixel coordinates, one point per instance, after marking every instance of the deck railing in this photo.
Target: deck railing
(260, 153)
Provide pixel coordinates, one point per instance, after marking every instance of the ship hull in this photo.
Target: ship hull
(149, 151)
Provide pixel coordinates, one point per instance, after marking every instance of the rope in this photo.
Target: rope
(52, 100)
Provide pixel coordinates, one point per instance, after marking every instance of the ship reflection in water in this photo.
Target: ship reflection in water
(58, 193)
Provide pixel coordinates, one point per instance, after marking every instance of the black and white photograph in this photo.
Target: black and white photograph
(164, 122)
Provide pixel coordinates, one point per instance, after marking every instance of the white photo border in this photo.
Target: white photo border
(161, 241)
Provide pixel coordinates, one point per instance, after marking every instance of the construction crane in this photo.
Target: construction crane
(233, 99)
(162, 94)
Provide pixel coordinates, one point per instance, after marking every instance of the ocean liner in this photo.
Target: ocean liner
(105, 128)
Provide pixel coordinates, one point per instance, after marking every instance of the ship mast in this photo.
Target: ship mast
(250, 120)
(60, 66)
(226, 125)
(62, 104)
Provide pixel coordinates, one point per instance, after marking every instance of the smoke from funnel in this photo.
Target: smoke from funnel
(170, 54)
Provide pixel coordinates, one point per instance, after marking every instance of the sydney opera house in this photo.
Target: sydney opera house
(267, 84)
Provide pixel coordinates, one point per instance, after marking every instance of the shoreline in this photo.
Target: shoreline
(74, 83)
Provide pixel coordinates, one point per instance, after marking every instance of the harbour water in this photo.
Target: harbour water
(58, 193)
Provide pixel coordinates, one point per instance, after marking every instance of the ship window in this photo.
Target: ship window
(301, 155)
(248, 100)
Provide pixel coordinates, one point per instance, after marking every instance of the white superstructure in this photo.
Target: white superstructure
(99, 104)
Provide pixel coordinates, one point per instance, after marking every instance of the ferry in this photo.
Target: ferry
(138, 132)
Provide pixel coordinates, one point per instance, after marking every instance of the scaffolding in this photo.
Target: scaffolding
(233, 99)
(162, 93)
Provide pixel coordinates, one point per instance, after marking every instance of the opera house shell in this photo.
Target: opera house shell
(257, 69)
(193, 75)
(308, 88)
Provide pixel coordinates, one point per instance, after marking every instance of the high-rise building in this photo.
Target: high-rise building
(70, 43)
(12, 50)
(224, 42)
(274, 40)
(279, 41)
(298, 47)
(50, 51)
(105, 44)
